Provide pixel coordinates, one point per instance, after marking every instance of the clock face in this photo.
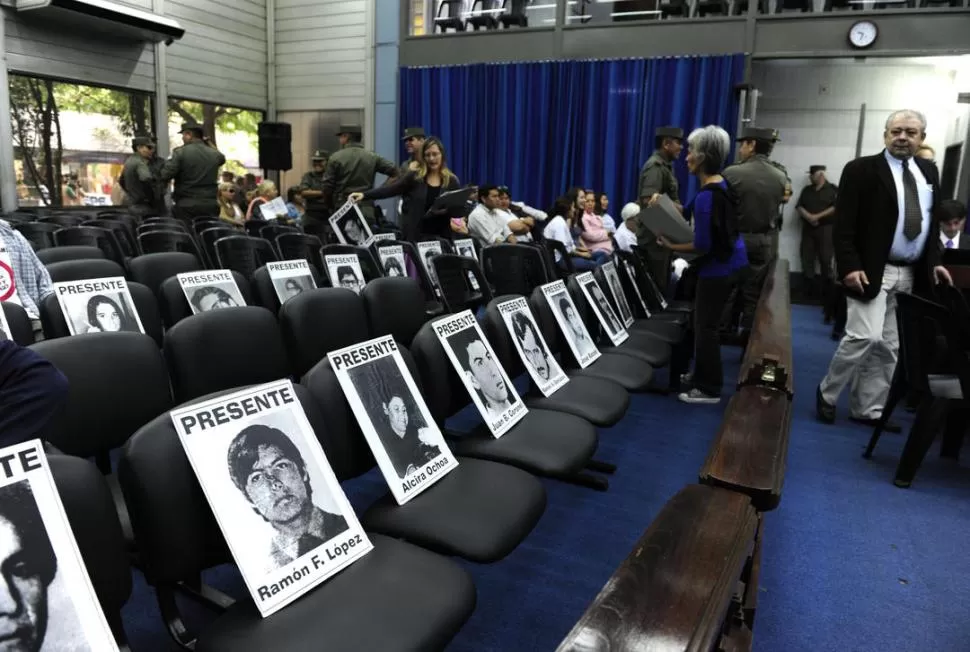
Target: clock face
(863, 34)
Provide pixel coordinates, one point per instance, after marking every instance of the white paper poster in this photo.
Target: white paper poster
(212, 289)
(281, 510)
(345, 272)
(613, 281)
(8, 283)
(602, 309)
(349, 225)
(538, 361)
(427, 249)
(49, 602)
(290, 278)
(407, 444)
(570, 323)
(101, 305)
(632, 276)
(273, 209)
(486, 381)
(378, 237)
(4, 326)
(392, 260)
(465, 247)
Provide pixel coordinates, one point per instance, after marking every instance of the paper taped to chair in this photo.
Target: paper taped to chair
(99, 305)
(664, 219)
(602, 309)
(49, 601)
(484, 378)
(392, 260)
(570, 323)
(378, 237)
(466, 247)
(408, 445)
(427, 249)
(290, 278)
(8, 280)
(5, 333)
(278, 503)
(349, 225)
(212, 289)
(345, 272)
(619, 297)
(538, 361)
(631, 275)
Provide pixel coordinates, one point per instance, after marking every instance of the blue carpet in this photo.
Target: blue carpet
(850, 562)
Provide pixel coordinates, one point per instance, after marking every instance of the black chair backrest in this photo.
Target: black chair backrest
(60, 254)
(648, 288)
(272, 231)
(177, 534)
(124, 235)
(91, 513)
(92, 236)
(493, 325)
(395, 306)
(294, 246)
(80, 270)
(514, 268)
(54, 325)
(457, 293)
(446, 395)
(922, 324)
(117, 382)
(954, 299)
(40, 235)
(153, 242)
(243, 254)
(254, 226)
(412, 258)
(163, 221)
(63, 220)
(560, 258)
(368, 264)
(209, 235)
(600, 275)
(175, 307)
(221, 349)
(21, 330)
(630, 285)
(199, 226)
(264, 292)
(447, 246)
(151, 270)
(316, 322)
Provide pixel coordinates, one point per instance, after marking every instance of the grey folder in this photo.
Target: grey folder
(663, 219)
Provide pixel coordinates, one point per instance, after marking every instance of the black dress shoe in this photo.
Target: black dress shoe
(890, 426)
(823, 411)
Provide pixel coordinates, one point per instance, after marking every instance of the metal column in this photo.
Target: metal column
(8, 174)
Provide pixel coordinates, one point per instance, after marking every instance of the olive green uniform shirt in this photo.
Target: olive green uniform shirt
(656, 176)
(761, 188)
(351, 170)
(194, 168)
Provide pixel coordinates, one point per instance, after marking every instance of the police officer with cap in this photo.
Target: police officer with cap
(138, 179)
(760, 187)
(414, 138)
(311, 189)
(194, 167)
(353, 169)
(657, 179)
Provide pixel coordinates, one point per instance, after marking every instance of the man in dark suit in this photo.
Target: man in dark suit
(885, 243)
(952, 216)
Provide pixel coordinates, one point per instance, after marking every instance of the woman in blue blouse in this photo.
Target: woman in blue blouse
(716, 238)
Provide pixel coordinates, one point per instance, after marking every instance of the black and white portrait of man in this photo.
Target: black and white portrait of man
(269, 471)
(215, 297)
(577, 332)
(531, 345)
(483, 373)
(603, 307)
(290, 286)
(353, 229)
(614, 280)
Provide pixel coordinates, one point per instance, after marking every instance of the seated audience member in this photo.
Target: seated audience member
(426, 180)
(595, 235)
(626, 238)
(602, 205)
(295, 204)
(952, 216)
(32, 391)
(521, 213)
(487, 223)
(30, 277)
(557, 228)
(229, 210)
(264, 193)
(716, 237)
(459, 226)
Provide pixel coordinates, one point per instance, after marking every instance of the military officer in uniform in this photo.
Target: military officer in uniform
(414, 138)
(760, 187)
(311, 189)
(353, 169)
(194, 168)
(656, 179)
(788, 191)
(140, 181)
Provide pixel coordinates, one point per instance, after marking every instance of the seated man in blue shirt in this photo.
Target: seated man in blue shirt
(32, 391)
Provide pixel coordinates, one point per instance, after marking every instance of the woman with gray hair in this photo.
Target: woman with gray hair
(722, 256)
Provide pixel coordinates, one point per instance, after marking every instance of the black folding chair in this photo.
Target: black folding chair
(40, 235)
(151, 270)
(124, 234)
(92, 236)
(209, 237)
(21, 328)
(455, 275)
(175, 307)
(433, 305)
(63, 219)
(271, 231)
(561, 260)
(514, 268)
(60, 254)
(83, 269)
(55, 325)
(244, 254)
(300, 246)
(154, 242)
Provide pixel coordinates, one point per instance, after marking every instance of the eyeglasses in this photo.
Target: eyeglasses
(231, 191)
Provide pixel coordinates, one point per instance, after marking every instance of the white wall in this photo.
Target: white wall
(816, 107)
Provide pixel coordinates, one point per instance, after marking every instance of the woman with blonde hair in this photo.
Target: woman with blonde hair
(264, 193)
(422, 185)
(229, 210)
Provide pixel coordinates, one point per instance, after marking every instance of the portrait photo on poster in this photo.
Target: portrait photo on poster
(349, 225)
(536, 357)
(49, 601)
(465, 247)
(426, 251)
(213, 289)
(613, 280)
(345, 272)
(601, 308)
(632, 277)
(484, 378)
(4, 326)
(392, 260)
(407, 444)
(570, 323)
(281, 510)
(101, 305)
(290, 278)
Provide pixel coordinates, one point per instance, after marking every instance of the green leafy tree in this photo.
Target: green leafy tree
(214, 117)
(35, 119)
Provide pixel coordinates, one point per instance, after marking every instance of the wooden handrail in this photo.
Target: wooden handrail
(768, 358)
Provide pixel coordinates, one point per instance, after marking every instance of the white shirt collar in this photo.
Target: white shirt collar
(956, 240)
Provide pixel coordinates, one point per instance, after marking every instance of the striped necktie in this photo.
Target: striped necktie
(912, 213)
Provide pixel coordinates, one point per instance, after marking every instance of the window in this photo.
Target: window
(233, 130)
(71, 140)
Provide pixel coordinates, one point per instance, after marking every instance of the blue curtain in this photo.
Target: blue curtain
(543, 127)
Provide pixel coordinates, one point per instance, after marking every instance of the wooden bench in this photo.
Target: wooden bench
(749, 452)
(689, 584)
(768, 358)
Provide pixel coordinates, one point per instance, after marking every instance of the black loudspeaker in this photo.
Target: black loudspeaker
(274, 145)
